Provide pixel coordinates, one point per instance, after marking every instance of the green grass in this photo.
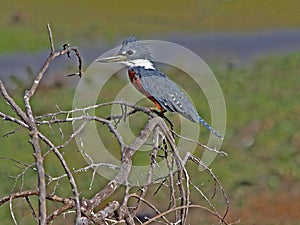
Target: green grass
(267, 92)
(22, 24)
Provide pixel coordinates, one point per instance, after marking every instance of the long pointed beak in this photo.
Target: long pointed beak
(111, 59)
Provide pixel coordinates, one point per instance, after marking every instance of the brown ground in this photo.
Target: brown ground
(270, 207)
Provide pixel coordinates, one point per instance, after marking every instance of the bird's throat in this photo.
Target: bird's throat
(141, 63)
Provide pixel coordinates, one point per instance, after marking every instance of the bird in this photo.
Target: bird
(154, 84)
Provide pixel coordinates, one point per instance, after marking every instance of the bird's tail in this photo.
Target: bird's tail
(205, 124)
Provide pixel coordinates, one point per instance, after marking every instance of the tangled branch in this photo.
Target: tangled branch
(100, 208)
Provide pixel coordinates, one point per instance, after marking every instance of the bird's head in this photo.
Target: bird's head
(133, 52)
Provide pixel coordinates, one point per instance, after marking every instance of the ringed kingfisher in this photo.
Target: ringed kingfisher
(154, 84)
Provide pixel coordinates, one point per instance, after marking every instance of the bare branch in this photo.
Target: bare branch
(68, 172)
(31, 209)
(66, 206)
(200, 163)
(80, 71)
(50, 38)
(181, 207)
(27, 193)
(150, 173)
(177, 180)
(12, 212)
(151, 206)
(12, 104)
(200, 144)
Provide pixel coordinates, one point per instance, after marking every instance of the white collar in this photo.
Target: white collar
(140, 62)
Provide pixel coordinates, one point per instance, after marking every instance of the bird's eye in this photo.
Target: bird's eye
(130, 52)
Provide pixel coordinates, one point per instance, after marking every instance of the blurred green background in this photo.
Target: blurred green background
(262, 172)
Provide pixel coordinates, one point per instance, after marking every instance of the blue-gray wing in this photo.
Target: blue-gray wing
(167, 93)
(170, 96)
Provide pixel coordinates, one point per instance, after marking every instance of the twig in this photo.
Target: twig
(31, 209)
(93, 107)
(13, 119)
(200, 144)
(150, 172)
(68, 172)
(13, 105)
(151, 206)
(184, 207)
(66, 206)
(200, 163)
(50, 38)
(12, 211)
(75, 50)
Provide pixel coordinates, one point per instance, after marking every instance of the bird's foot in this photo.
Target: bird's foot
(162, 115)
(159, 113)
